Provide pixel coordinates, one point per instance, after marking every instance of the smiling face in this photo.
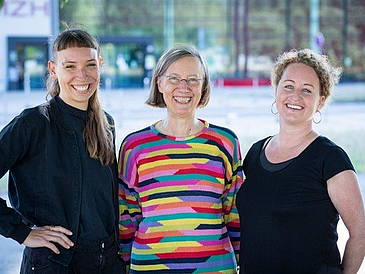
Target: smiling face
(298, 94)
(78, 73)
(182, 99)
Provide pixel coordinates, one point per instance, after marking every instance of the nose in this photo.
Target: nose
(183, 84)
(296, 94)
(82, 74)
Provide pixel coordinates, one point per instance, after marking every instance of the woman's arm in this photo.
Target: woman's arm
(15, 139)
(345, 194)
(230, 212)
(130, 212)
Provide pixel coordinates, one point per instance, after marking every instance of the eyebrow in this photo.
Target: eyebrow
(292, 81)
(67, 62)
(73, 62)
(176, 74)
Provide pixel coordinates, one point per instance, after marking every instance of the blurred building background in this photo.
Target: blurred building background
(239, 38)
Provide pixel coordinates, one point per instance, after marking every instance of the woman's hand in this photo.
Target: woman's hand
(46, 236)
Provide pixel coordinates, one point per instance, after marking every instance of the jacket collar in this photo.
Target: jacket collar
(56, 113)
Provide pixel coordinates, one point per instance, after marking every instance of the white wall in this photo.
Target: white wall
(27, 18)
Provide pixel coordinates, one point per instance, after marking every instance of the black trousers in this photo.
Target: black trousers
(89, 258)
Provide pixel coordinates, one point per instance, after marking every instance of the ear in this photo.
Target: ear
(52, 69)
(100, 61)
(159, 85)
(321, 102)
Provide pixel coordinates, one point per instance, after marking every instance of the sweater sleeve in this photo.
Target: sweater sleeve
(234, 180)
(129, 206)
(14, 141)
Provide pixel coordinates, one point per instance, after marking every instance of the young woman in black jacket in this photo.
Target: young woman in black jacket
(62, 169)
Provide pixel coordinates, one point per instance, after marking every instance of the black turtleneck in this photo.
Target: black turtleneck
(97, 216)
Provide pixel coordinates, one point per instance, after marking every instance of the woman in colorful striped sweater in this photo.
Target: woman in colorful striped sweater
(179, 178)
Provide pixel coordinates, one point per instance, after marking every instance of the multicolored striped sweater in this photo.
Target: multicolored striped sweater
(177, 201)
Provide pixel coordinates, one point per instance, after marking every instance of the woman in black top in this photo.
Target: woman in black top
(62, 169)
(298, 183)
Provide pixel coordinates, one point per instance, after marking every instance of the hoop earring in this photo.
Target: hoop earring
(320, 117)
(272, 108)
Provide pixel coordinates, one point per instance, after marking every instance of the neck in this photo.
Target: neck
(179, 127)
(294, 136)
(79, 105)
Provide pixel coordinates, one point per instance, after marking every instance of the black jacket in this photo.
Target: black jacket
(41, 154)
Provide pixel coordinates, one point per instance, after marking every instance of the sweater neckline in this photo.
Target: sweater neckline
(180, 139)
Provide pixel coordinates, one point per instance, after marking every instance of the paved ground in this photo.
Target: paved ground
(244, 110)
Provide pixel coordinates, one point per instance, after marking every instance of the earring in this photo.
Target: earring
(272, 108)
(320, 117)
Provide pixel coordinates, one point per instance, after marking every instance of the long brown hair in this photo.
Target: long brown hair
(98, 133)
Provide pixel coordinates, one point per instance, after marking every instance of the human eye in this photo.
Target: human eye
(193, 81)
(290, 87)
(173, 79)
(70, 66)
(91, 65)
(307, 90)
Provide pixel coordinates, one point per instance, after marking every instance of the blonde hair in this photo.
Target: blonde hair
(98, 133)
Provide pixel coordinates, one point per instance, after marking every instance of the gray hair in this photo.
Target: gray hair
(170, 56)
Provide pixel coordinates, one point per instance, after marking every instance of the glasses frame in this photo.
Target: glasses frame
(178, 80)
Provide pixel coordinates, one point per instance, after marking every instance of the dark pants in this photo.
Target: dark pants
(89, 258)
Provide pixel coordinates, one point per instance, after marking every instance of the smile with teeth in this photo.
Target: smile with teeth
(81, 88)
(182, 100)
(294, 106)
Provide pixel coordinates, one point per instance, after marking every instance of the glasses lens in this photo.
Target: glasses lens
(173, 80)
(192, 82)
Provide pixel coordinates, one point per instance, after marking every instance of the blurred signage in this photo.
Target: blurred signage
(30, 8)
(25, 26)
(26, 17)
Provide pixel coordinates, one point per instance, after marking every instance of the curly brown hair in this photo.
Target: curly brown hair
(328, 74)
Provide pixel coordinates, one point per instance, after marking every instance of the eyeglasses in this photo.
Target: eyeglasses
(191, 81)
